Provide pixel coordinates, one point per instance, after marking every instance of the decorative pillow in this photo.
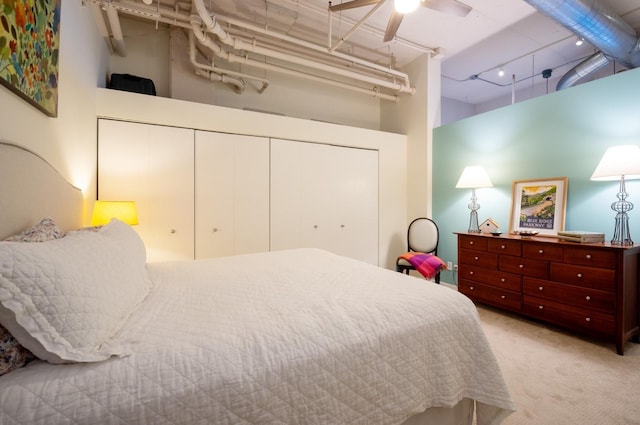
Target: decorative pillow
(46, 230)
(66, 299)
(12, 355)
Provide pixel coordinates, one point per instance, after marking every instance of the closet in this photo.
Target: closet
(203, 194)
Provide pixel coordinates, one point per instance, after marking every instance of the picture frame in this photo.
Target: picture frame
(538, 205)
(30, 51)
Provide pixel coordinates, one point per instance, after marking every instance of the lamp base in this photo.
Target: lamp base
(473, 222)
(621, 234)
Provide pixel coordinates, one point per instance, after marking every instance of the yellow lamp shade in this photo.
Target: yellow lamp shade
(104, 211)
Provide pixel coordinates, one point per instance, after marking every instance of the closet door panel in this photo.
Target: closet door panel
(326, 197)
(232, 194)
(153, 166)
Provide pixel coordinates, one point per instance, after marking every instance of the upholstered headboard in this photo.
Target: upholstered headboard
(31, 189)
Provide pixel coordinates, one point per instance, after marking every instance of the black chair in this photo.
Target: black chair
(422, 236)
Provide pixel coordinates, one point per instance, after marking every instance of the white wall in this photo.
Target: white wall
(68, 142)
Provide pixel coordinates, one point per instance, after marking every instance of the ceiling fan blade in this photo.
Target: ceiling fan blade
(352, 4)
(450, 7)
(392, 26)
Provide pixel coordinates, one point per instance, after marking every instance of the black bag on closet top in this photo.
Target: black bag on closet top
(132, 83)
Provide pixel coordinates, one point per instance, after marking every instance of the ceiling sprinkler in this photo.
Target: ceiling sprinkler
(546, 73)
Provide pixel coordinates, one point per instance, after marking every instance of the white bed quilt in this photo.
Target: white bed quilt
(289, 337)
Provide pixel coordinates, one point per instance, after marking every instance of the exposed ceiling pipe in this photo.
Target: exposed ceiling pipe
(584, 68)
(117, 38)
(212, 26)
(102, 25)
(206, 41)
(311, 46)
(232, 78)
(599, 25)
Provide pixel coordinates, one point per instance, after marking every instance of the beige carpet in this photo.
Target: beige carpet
(557, 378)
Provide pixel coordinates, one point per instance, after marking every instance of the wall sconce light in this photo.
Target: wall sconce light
(620, 162)
(104, 211)
(473, 177)
(406, 6)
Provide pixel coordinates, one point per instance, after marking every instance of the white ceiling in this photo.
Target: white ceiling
(496, 33)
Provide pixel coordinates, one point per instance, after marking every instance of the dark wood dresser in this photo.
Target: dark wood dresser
(587, 288)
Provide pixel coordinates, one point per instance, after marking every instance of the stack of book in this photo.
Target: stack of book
(581, 236)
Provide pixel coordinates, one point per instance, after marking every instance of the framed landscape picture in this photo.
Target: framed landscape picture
(29, 51)
(538, 206)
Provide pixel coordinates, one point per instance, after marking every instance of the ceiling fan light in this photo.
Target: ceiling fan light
(406, 6)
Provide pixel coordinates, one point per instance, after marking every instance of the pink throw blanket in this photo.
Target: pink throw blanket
(427, 265)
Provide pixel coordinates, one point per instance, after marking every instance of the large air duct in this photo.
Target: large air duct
(600, 26)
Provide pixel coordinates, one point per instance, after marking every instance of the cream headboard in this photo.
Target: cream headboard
(31, 189)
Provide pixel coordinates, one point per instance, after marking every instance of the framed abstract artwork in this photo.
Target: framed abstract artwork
(30, 51)
(538, 206)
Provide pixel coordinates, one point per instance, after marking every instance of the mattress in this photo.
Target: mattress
(288, 337)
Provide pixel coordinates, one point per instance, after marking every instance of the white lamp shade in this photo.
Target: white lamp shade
(406, 6)
(104, 211)
(474, 177)
(619, 161)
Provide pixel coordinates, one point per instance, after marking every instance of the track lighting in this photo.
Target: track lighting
(579, 41)
(406, 6)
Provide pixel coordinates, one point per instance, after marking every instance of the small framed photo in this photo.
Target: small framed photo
(538, 206)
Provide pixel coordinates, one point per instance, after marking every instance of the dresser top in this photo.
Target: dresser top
(550, 239)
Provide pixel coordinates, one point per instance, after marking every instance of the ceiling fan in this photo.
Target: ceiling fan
(451, 7)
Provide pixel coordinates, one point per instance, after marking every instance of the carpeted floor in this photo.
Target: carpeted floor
(557, 378)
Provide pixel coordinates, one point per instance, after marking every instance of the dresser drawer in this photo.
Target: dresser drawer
(571, 317)
(505, 246)
(478, 258)
(491, 295)
(591, 299)
(524, 266)
(591, 257)
(590, 277)
(477, 243)
(542, 251)
(512, 282)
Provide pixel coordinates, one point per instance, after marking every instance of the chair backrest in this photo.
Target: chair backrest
(423, 235)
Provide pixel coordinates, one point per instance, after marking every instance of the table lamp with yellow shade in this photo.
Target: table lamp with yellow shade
(104, 211)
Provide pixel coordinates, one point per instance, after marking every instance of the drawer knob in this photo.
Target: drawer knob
(504, 297)
(475, 258)
(521, 266)
(471, 243)
(503, 247)
(588, 298)
(541, 307)
(540, 288)
(588, 319)
(588, 256)
(172, 231)
(215, 229)
(541, 251)
(472, 287)
(579, 275)
(471, 273)
(503, 280)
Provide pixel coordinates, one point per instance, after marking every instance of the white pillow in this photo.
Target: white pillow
(66, 299)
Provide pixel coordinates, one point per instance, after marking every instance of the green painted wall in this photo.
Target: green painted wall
(563, 134)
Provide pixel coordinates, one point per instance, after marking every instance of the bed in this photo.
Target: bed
(299, 336)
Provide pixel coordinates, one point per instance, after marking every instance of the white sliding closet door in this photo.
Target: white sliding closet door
(153, 166)
(324, 196)
(232, 194)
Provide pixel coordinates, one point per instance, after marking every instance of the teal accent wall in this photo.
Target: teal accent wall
(563, 134)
